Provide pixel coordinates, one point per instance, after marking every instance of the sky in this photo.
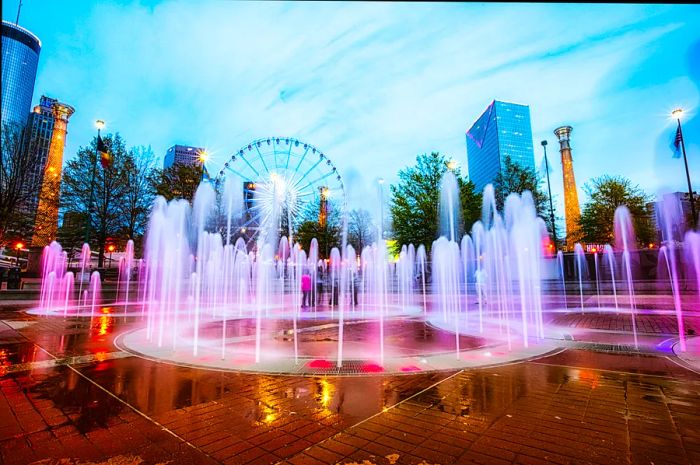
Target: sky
(375, 84)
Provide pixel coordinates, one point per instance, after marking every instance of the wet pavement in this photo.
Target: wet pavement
(69, 396)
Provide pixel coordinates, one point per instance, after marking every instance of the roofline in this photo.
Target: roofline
(21, 29)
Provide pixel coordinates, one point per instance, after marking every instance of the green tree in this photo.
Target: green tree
(177, 182)
(107, 192)
(514, 178)
(328, 236)
(606, 193)
(414, 202)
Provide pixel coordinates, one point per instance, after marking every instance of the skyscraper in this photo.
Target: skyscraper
(37, 140)
(503, 130)
(572, 209)
(20, 57)
(183, 155)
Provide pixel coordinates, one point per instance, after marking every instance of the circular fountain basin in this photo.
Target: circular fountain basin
(411, 345)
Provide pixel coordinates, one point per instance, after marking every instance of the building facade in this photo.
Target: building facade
(503, 130)
(20, 57)
(183, 155)
(37, 140)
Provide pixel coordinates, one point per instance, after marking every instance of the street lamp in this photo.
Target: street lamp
(549, 188)
(381, 208)
(110, 249)
(678, 114)
(18, 248)
(203, 157)
(452, 165)
(99, 124)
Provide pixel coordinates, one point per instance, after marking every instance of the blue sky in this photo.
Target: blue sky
(375, 84)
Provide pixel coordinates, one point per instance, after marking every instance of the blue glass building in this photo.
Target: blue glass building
(503, 130)
(20, 57)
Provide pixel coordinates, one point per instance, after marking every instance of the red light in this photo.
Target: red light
(19, 246)
(594, 250)
(111, 248)
(651, 245)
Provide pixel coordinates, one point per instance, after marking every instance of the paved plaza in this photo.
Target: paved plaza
(70, 396)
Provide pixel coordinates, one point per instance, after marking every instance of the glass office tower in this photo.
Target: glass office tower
(20, 57)
(503, 130)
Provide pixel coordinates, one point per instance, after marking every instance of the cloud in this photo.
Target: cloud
(371, 84)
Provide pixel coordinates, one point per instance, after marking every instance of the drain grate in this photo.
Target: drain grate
(610, 348)
(350, 367)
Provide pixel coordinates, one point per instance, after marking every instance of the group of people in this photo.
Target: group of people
(310, 298)
(307, 299)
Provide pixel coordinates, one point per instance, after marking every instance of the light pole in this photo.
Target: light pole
(203, 157)
(381, 208)
(99, 124)
(677, 114)
(110, 249)
(549, 188)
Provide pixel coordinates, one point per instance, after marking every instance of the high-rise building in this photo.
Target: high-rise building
(46, 223)
(183, 155)
(20, 57)
(572, 209)
(37, 139)
(503, 130)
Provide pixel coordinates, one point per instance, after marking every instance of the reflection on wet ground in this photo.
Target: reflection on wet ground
(68, 394)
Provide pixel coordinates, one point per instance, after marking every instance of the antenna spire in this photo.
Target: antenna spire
(19, 7)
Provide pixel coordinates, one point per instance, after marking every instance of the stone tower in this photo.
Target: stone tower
(572, 209)
(46, 224)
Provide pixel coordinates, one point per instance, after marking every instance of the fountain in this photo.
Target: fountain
(205, 295)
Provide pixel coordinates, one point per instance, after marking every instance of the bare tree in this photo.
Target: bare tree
(138, 196)
(361, 229)
(19, 184)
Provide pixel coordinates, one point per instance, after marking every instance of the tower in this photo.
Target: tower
(502, 131)
(20, 57)
(572, 209)
(46, 224)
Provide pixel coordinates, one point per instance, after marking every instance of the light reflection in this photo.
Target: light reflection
(326, 394)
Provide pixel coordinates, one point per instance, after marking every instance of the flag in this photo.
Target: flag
(677, 141)
(105, 156)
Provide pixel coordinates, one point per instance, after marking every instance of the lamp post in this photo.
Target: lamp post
(18, 249)
(549, 188)
(110, 249)
(99, 124)
(381, 208)
(677, 114)
(203, 157)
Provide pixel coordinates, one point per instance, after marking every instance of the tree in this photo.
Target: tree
(108, 192)
(414, 203)
(328, 236)
(20, 182)
(514, 178)
(361, 229)
(180, 181)
(606, 193)
(138, 196)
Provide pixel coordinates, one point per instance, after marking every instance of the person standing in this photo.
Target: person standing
(305, 290)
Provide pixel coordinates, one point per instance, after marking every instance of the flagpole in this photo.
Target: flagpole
(693, 213)
(549, 188)
(100, 124)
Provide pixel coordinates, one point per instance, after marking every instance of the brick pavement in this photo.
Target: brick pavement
(577, 407)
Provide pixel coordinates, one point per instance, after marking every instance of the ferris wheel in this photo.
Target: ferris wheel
(280, 172)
